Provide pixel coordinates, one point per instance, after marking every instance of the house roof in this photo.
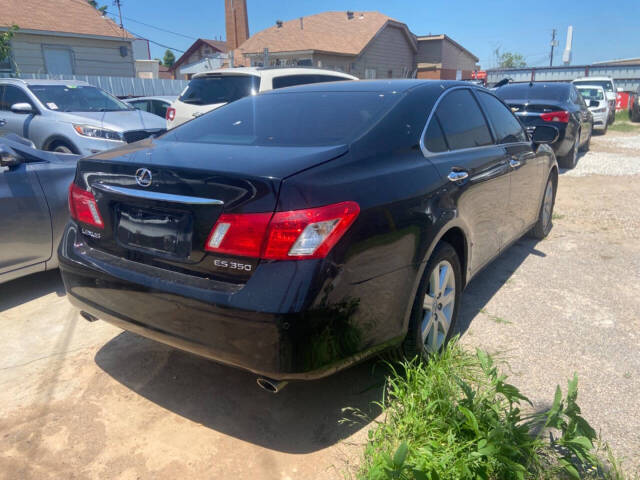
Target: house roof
(332, 32)
(428, 38)
(66, 16)
(219, 45)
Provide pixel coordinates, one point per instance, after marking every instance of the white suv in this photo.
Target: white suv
(209, 90)
(609, 88)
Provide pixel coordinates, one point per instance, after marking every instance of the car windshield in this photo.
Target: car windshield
(77, 98)
(527, 91)
(214, 89)
(591, 93)
(289, 119)
(606, 84)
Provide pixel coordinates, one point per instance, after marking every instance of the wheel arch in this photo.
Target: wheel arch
(53, 139)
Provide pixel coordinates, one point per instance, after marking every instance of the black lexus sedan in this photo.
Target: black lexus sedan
(557, 104)
(298, 231)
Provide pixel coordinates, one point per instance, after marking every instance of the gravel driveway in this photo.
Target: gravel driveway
(85, 400)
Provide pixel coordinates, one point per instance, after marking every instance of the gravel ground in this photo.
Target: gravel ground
(85, 400)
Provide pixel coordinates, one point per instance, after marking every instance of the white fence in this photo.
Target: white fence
(122, 86)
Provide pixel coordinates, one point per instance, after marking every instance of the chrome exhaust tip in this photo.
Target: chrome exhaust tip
(270, 385)
(88, 317)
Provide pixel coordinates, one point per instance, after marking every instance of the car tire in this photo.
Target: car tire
(545, 216)
(61, 147)
(585, 146)
(570, 160)
(433, 321)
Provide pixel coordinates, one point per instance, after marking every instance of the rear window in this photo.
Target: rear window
(606, 84)
(220, 89)
(289, 119)
(526, 91)
(293, 80)
(591, 93)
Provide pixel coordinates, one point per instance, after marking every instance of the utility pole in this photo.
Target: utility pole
(553, 44)
(117, 2)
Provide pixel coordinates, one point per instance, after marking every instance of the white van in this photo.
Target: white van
(209, 90)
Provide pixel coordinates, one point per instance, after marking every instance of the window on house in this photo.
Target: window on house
(369, 73)
(58, 60)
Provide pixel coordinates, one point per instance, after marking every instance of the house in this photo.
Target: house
(65, 37)
(202, 55)
(364, 44)
(440, 57)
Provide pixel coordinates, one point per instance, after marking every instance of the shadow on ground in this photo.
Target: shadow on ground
(486, 284)
(25, 289)
(304, 417)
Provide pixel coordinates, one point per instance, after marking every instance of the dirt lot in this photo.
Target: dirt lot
(85, 400)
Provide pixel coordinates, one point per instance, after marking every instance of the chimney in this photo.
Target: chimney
(237, 22)
(279, 23)
(301, 24)
(350, 15)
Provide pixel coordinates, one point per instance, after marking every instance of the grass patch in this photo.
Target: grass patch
(557, 216)
(623, 124)
(455, 417)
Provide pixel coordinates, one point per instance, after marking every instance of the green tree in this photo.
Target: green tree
(94, 4)
(169, 59)
(5, 43)
(510, 60)
(158, 60)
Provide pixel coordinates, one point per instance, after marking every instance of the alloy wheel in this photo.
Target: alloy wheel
(438, 305)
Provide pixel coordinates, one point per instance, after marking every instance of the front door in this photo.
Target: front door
(459, 144)
(25, 224)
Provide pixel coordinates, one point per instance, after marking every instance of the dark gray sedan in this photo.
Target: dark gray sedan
(34, 187)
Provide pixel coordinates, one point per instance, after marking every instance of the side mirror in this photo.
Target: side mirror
(594, 103)
(544, 134)
(22, 107)
(8, 157)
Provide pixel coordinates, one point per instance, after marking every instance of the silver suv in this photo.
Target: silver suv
(70, 116)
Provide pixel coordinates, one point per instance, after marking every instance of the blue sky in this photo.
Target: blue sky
(602, 30)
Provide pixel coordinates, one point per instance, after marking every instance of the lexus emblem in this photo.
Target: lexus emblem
(143, 177)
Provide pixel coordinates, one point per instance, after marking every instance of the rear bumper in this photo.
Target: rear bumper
(280, 329)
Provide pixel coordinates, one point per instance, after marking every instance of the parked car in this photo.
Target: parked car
(610, 89)
(33, 206)
(634, 106)
(293, 241)
(596, 99)
(210, 90)
(157, 105)
(69, 116)
(557, 104)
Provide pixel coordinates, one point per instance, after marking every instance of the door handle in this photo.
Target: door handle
(514, 163)
(457, 175)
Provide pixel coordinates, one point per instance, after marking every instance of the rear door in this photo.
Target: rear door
(25, 225)
(526, 169)
(459, 143)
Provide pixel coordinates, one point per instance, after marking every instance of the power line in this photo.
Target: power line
(156, 43)
(161, 29)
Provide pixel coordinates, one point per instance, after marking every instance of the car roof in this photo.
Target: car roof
(599, 79)
(586, 85)
(399, 85)
(537, 84)
(166, 98)
(38, 81)
(273, 72)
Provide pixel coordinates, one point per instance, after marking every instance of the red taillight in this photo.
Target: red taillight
(171, 114)
(293, 235)
(561, 116)
(83, 207)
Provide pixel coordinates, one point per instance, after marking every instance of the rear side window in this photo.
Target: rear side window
(293, 80)
(507, 127)
(141, 105)
(13, 95)
(434, 138)
(214, 89)
(462, 121)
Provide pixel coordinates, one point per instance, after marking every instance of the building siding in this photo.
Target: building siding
(389, 51)
(90, 56)
(455, 58)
